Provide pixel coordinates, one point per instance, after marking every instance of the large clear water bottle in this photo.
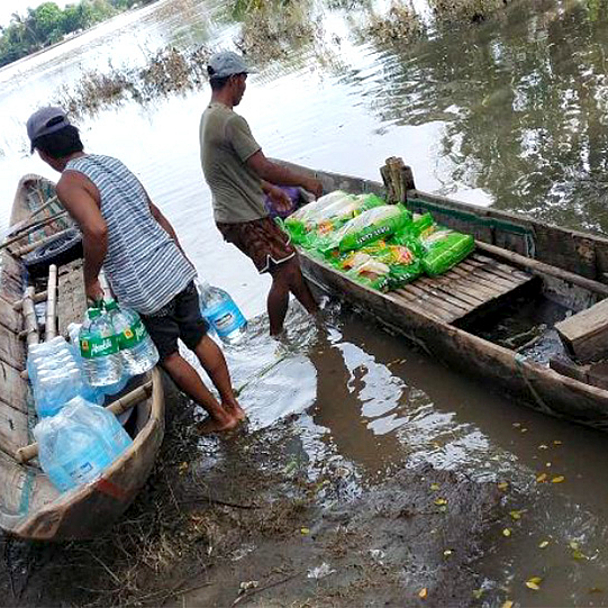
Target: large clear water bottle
(71, 453)
(222, 313)
(103, 421)
(54, 374)
(137, 350)
(99, 349)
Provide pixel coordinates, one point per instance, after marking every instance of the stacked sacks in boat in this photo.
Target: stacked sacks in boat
(378, 245)
(326, 215)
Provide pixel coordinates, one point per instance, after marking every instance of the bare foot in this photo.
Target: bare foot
(213, 425)
(234, 409)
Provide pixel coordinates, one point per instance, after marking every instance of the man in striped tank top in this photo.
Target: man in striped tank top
(123, 231)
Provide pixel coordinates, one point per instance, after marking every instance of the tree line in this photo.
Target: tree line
(48, 24)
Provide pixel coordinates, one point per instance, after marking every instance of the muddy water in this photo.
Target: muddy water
(510, 113)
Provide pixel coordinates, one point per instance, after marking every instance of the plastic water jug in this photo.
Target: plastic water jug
(137, 351)
(99, 350)
(54, 374)
(222, 313)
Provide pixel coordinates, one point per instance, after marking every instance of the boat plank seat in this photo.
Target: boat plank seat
(475, 282)
(585, 335)
(71, 297)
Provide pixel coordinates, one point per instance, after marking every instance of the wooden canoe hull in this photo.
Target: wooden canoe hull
(540, 388)
(30, 507)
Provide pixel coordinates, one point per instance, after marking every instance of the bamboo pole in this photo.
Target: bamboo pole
(28, 452)
(50, 330)
(38, 297)
(30, 320)
(21, 251)
(540, 268)
(23, 232)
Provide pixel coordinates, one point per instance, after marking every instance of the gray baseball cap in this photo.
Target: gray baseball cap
(227, 63)
(45, 121)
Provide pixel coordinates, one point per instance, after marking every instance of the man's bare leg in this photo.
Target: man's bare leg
(300, 289)
(278, 298)
(212, 359)
(188, 380)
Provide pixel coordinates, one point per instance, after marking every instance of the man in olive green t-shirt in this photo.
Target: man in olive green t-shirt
(239, 174)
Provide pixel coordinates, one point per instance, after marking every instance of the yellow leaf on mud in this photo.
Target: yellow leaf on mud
(542, 477)
(441, 501)
(507, 604)
(543, 544)
(515, 514)
(558, 479)
(503, 485)
(305, 531)
(578, 555)
(506, 532)
(477, 593)
(434, 486)
(447, 553)
(596, 590)
(557, 442)
(534, 583)
(573, 545)
(422, 593)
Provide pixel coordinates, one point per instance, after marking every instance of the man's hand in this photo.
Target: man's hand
(313, 186)
(279, 198)
(94, 291)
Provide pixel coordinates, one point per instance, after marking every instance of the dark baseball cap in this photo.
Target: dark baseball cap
(44, 122)
(227, 63)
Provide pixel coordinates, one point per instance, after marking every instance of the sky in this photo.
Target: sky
(8, 7)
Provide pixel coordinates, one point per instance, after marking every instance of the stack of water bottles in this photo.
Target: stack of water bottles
(221, 312)
(77, 438)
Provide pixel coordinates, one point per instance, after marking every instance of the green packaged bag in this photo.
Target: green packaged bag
(444, 249)
(369, 226)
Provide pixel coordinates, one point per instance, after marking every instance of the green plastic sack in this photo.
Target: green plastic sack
(371, 225)
(444, 249)
(330, 212)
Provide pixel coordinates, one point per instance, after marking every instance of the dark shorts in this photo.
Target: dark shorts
(262, 240)
(180, 318)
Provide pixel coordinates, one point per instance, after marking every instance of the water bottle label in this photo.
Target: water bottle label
(95, 347)
(132, 336)
(225, 319)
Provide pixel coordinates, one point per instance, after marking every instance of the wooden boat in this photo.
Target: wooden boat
(30, 507)
(519, 263)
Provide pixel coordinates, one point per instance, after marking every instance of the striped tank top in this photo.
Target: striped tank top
(144, 265)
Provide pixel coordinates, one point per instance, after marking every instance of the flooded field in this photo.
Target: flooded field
(368, 474)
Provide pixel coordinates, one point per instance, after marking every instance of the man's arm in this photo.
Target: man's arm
(80, 202)
(166, 226)
(276, 174)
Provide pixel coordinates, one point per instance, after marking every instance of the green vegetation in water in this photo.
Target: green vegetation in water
(401, 23)
(271, 28)
(168, 71)
(48, 24)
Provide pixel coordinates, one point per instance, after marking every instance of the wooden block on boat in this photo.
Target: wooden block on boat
(566, 367)
(585, 335)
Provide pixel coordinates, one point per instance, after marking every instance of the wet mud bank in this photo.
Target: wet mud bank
(247, 520)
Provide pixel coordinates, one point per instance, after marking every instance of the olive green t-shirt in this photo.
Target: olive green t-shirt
(226, 144)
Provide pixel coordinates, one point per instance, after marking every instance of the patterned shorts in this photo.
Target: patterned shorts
(262, 240)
